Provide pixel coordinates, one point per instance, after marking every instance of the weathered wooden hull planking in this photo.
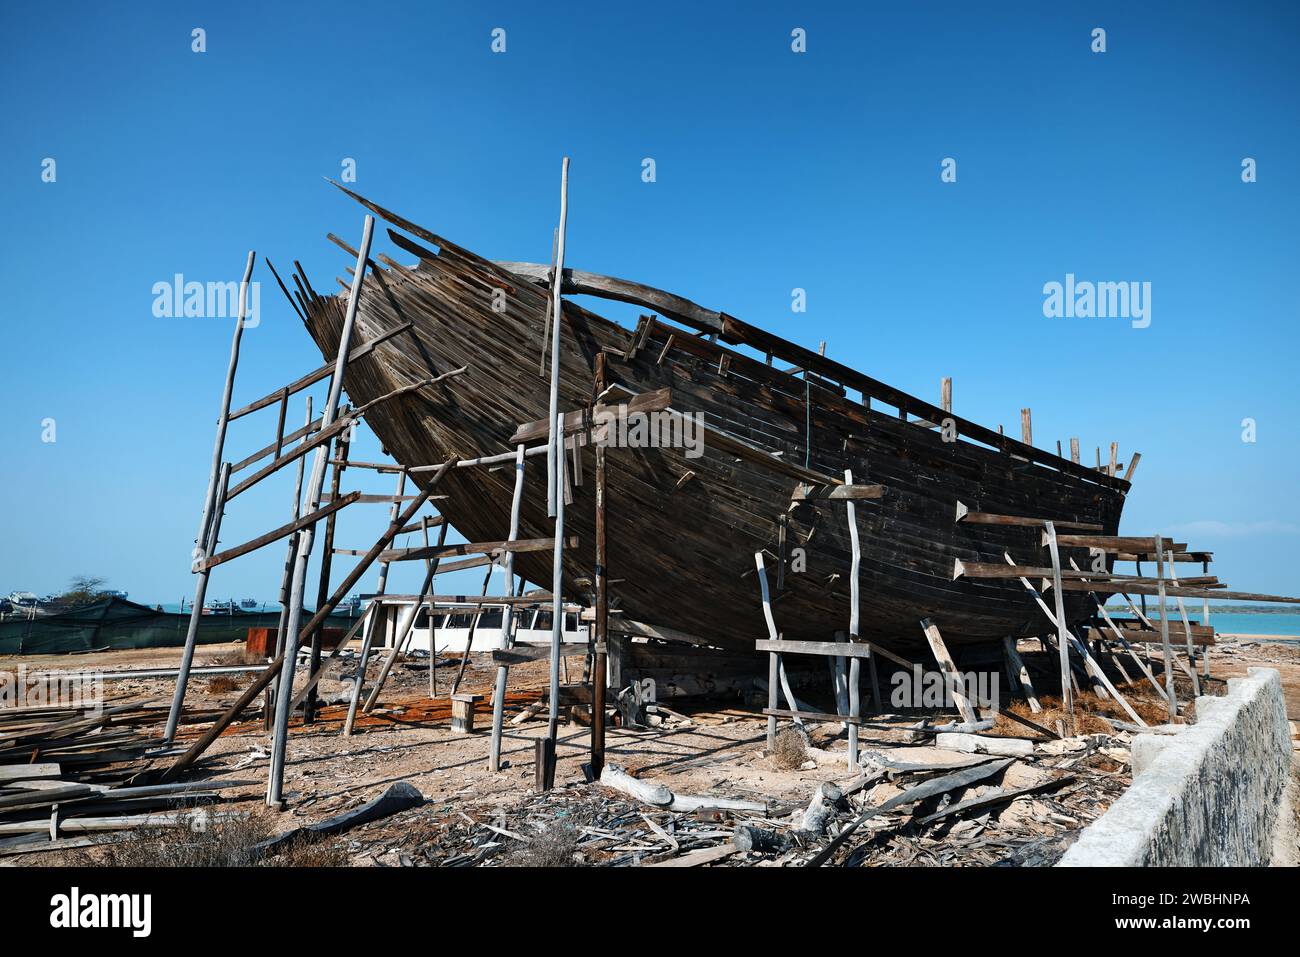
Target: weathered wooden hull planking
(683, 531)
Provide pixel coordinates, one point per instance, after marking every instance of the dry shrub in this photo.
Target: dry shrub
(1088, 712)
(554, 847)
(222, 684)
(228, 842)
(789, 752)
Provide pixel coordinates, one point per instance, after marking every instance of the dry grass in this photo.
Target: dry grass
(555, 847)
(229, 842)
(223, 684)
(1088, 711)
(790, 751)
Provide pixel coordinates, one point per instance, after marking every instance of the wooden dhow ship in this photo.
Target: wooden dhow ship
(782, 426)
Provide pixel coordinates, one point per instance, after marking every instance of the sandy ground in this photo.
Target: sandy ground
(717, 750)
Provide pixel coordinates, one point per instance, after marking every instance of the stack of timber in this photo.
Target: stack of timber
(773, 437)
(66, 777)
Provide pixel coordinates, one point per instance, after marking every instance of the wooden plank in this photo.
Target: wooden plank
(833, 649)
(521, 654)
(279, 533)
(1116, 588)
(274, 448)
(949, 669)
(1112, 543)
(836, 493)
(1020, 674)
(323, 372)
(964, 514)
(994, 570)
(705, 855)
(583, 420)
(471, 548)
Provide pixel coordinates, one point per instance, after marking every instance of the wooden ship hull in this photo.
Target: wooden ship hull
(682, 531)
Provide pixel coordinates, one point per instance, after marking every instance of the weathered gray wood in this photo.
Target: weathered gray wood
(372, 616)
(207, 544)
(949, 670)
(1171, 696)
(404, 628)
(1063, 646)
(964, 514)
(861, 648)
(508, 618)
(312, 378)
(836, 493)
(948, 782)
(469, 548)
(1187, 632)
(399, 797)
(279, 533)
(205, 541)
(855, 702)
(1016, 668)
(557, 611)
(280, 735)
(554, 424)
(1102, 683)
(286, 582)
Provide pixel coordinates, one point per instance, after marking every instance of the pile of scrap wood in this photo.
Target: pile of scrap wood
(65, 776)
(923, 805)
(575, 826)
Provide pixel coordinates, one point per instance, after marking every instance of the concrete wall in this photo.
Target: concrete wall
(1206, 796)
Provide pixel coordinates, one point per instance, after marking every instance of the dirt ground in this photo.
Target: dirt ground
(708, 748)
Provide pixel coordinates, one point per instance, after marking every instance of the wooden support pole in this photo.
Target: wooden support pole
(207, 545)
(473, 627)
(599, 667)
(945, 393)
(557, 587)
(368, 633)
(555, 449)
(508, 618)
(201, 540)
(327, 556)
(1074, 450)
(404, 627)
(1187, 632)
(272, 669)
(855, 567)
(1026, 427)
(775, 672)
(280, 731)
(1067, 692)
(286, 580)
(1171, 696)
(1119, 635)
(1205, 620)
(949, 669)
(1020, 674)
(1092, 669)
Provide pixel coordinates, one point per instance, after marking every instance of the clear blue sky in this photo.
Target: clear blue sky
(775, 170)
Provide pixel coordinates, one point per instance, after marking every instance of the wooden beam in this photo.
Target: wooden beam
(950, 672)
(836, 493)
(964, 514)
(994, 570)
(1112, 543)
(471, 548)
(521, 654)
(312, 378)
(581, 420)
(279, 533)
(833, 649)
